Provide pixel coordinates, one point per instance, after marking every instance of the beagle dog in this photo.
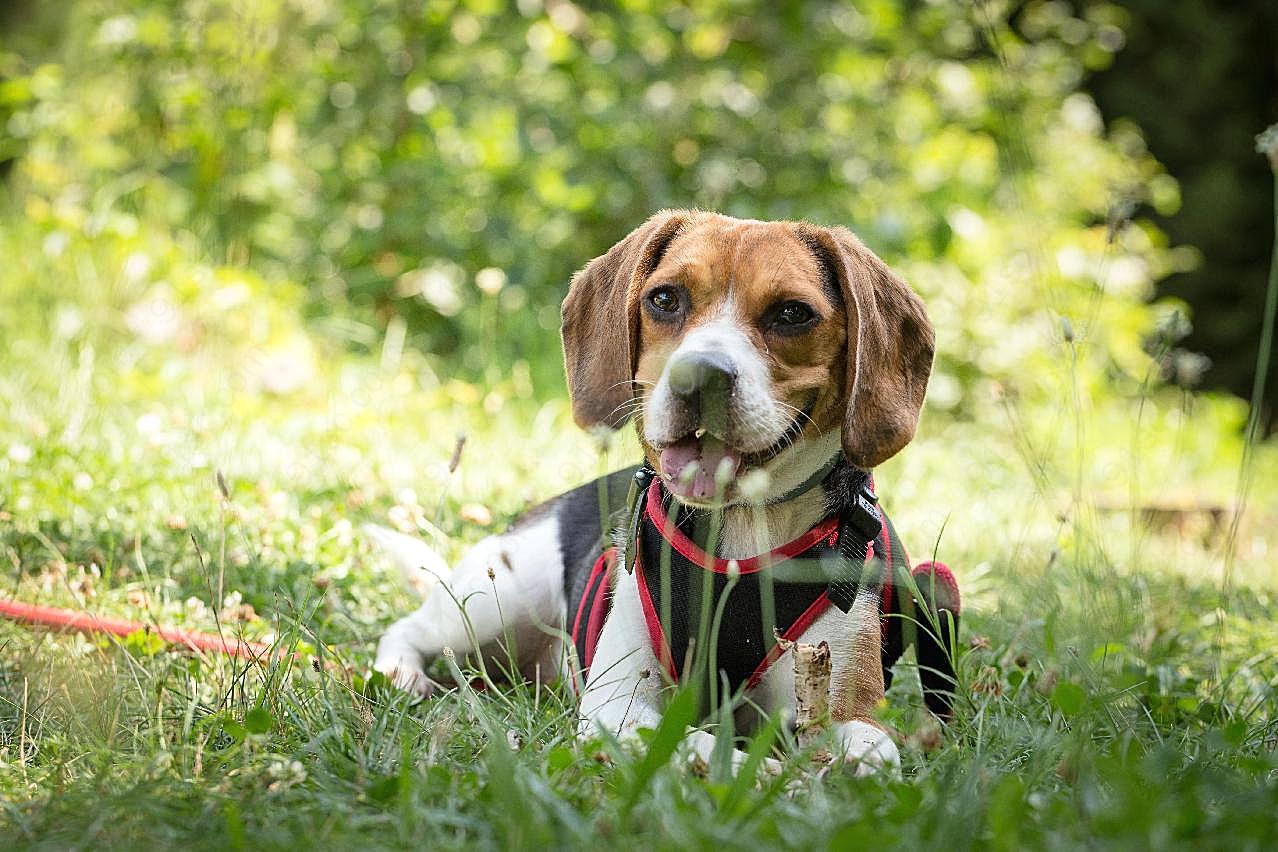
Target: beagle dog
(768, 367)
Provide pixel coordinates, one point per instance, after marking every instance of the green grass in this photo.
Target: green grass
(1118, 689)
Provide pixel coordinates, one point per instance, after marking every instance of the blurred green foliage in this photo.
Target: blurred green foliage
(1201, 117)
(451, 163)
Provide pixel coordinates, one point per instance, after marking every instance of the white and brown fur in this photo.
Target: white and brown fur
(850, 380)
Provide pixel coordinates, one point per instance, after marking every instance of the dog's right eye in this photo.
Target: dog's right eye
(664, 299)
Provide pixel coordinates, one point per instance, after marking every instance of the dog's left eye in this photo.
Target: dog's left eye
(791, 315)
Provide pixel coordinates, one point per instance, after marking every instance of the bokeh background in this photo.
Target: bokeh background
(404, 162)
(309, 243)
(446, 166)
(263, 261)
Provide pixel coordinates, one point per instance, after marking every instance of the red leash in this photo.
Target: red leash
(85, 622)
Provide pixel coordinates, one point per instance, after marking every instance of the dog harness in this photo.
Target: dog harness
(747, 604)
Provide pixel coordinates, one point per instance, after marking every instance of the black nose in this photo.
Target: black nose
(703, 382)
(710, 374)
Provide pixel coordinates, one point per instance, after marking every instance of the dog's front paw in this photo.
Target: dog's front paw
(406, 674)
(867, 749)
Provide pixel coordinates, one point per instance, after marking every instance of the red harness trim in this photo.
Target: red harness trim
(792, 633)
(655, 634)
(826, 529)
(885, 601)
(599, 611)
(598, 608)
(689, 550)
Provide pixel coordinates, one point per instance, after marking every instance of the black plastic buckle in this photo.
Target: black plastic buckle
(862, 524)
(863, 514)
(636, 498)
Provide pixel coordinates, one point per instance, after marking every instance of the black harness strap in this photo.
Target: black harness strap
(861, 523)
(779, 593)
(678, 588)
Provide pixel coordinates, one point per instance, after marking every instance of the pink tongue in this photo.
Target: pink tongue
(709, 455)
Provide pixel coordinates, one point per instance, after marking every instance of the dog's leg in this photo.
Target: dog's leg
(857, 688)
(625, 689)
(508, 587)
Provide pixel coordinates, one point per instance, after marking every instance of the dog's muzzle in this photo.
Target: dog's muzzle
(703, 384)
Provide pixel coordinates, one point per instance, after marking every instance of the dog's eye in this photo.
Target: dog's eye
(664, 299)
(794, 314)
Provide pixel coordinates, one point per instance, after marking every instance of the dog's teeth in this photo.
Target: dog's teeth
(699, 433)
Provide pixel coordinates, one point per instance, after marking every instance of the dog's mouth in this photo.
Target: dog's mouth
(698, 466)
(701, 466)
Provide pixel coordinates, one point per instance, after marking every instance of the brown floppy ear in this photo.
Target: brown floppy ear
(601, 322)
(890, 348)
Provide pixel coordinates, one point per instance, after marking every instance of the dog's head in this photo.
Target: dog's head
(742, 345)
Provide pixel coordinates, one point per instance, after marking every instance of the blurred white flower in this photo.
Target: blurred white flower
(55, 243)
(231, 295)
(1190, 367)
(490, 280)
(1080, 113)
(284, 369)
(148, 424)
(660, 95)
(1128, 275)
(421, 100)
(968, 224)
(438, 284)
(957, 87)
(438, 289)
(155, 320)
(118, 30)
(285, 773)
(136, 266)
(754, 485)
(68, 321)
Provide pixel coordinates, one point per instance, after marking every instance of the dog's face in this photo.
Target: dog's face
(738, 343)
(742, 344)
